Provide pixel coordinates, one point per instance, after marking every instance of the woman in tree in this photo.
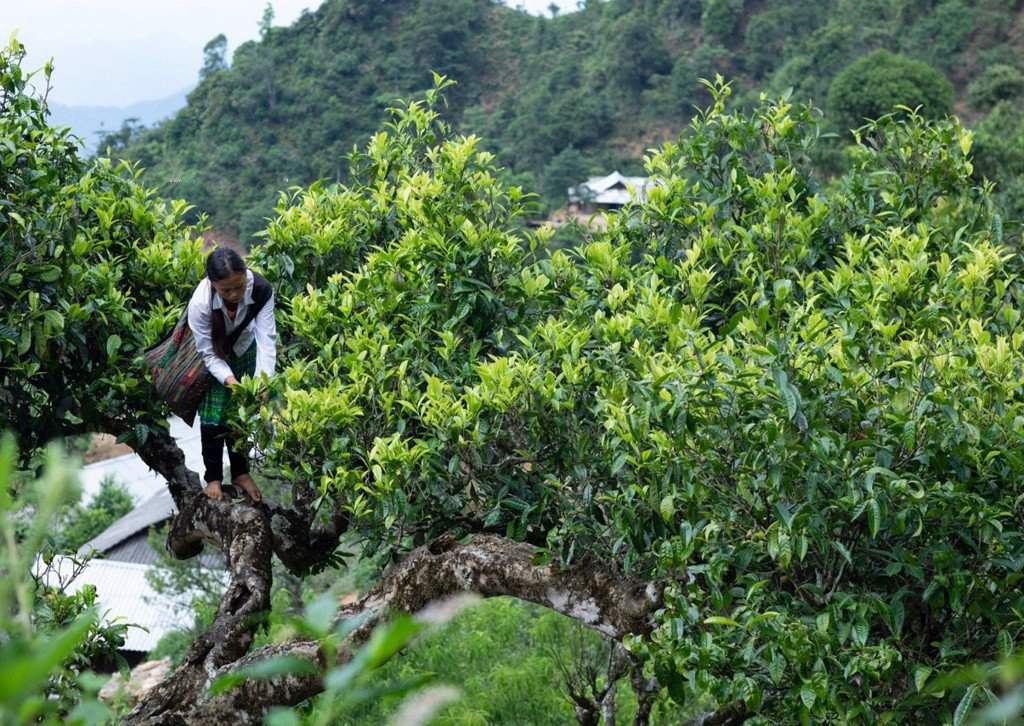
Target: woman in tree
(231, 315)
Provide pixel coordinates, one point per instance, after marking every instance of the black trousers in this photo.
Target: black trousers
(214, 439)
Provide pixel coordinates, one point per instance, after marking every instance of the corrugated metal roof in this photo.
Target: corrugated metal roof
(613, 189)
(124, 595)
(158, 508)
(134, 549)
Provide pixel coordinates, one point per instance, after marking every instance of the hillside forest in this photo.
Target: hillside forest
(583, 93)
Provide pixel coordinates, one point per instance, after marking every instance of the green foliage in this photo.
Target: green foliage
(685, 11)
(635, 52)
(997, 83)
(447, 38)
(875, 84)
(115, 142)
(999, 152)
(56, 610)
(81, 523)
(913, 296)
(565, 170)
(795, 401)
(811, 66)
(442, 250)
(769, 32)
(348, 682)
(50, 639)
(214, 56)
(93, 268)
(504, 657)
(999, 157)
(720, 18)
(939, 36)
(266, 20)
(608, 81)
(993, 692)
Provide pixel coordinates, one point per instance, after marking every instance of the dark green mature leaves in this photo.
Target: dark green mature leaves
(93, 268)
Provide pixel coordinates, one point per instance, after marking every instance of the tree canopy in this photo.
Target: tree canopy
(763, 431)
(793, 402)
(873, 85)
(93, 266)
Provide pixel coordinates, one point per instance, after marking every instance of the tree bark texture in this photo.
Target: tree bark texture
(244, 536)
(485, 564)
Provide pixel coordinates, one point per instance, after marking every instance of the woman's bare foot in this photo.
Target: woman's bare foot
(249, 486)
(213, 490)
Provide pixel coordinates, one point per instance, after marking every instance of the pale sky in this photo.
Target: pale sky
(118, 52)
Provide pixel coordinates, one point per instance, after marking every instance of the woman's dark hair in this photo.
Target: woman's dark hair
(222, 263)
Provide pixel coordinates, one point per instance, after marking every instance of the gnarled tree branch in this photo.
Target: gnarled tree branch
(488, 565)
(296, 542)
(243, 534)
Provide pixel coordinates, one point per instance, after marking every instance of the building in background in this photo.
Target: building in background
(600, 193)
(119, 559)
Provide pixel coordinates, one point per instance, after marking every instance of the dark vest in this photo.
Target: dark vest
(224, 343)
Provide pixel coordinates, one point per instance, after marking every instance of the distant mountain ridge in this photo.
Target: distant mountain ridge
(87, 121)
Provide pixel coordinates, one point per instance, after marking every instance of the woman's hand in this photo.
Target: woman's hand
(230, 381)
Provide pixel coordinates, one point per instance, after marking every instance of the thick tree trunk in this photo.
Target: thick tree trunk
(485, 564)
(243, 534)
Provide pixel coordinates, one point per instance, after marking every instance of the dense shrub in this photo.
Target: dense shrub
(567, 169)
(635, 52)
(999, 157)
(770, 31)
(939, 37)
(721, 18)
(876, 83)
(997, 83)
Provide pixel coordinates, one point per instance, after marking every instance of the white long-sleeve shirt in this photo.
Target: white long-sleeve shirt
(263, 329)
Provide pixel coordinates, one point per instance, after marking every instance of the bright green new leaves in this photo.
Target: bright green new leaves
(406, 332)
(798, 402)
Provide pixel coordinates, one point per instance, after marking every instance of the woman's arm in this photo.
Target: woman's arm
(265, 332)
(199, 322)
